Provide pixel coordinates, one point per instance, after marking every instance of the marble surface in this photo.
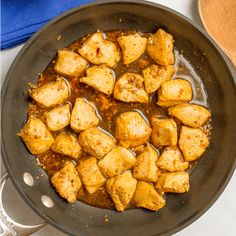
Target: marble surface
(219, 220)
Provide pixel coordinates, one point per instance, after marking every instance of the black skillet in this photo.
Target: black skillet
(212, 173)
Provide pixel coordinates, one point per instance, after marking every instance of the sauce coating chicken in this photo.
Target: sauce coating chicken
(117, 161)
(130, 88)
(51, 94)
(155, 75)
(121, 189)
(67, 182)
(90, 174)
(145, 168)
(120, 96)
(160, 48)
(36, 136)
(96, 142)
(176, 182)
(132, 47)
(174, 92)
(164, 132)
(58, 118)
(147, 197)
(83, 116)
(190, 114)
(70, 64)
(192, 143)
(100, 78)
(98, 50)
(172, 160)
(67, 144)
(132, 129)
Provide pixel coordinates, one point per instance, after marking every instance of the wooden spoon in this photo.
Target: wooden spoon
(219, 19)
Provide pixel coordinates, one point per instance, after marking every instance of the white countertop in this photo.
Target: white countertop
(220, 219)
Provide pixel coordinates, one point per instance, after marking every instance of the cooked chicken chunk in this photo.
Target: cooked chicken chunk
(36, 136)
(138, 149)
(164, 132)
(172, 160)
(98, 50)
(83, 116)
(155, 75)
(192, 143)
(145, 168)
(67, 182)
(58, 118)
(117, 161)
(121, 189)
(132, 129)
(70, 64)
(90, 174)
(147, 197)
(176, 182)
(51, 94)
(67, 144)
(174, 92)
(96, 142)
(100, 78)
(130, 88)
(160, 48)
(132, 47)
(190, 114)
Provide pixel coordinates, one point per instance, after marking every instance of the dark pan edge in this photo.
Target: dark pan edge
(101, 2)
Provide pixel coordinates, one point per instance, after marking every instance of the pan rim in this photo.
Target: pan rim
(66, 14)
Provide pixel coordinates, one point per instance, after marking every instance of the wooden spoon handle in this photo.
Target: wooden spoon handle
(219, 19)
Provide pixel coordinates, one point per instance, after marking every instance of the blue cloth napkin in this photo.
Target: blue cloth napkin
(21, 18)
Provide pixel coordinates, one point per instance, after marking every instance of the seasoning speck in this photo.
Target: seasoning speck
(59, 37)
(106, 219)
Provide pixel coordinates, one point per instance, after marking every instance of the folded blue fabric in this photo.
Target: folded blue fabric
(21, 18)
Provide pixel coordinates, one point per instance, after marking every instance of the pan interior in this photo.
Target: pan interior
(208, 179)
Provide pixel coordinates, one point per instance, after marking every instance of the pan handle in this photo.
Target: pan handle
(8, 227)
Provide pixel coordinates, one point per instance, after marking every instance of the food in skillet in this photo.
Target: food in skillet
(113, 122)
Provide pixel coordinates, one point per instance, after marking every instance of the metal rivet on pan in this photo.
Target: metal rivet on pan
(28, 179)
(47, 201)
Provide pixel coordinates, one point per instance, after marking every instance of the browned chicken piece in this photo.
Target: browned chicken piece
(132, 129)
(98, 50)
(192, 143)
(100, 78)
(155, 75)
(147, 197)
(190, 114)
(172, 160)
(130, 88)
(36, 136)
(96, 142)
(164, 132)
(58, 118)
(83, 116)
(70, 64)
(132, 47)
(67, 182)
(90, 174)
(174, 92)
(117, 161)
(176, 182)
(138, 149)
(67, 144)
(145, 168)
(51, 94)
(121, 189)
(160, 48)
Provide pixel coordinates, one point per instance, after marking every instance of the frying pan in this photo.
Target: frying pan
(207, 181)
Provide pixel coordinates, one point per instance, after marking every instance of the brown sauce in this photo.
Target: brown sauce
(109, 108)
